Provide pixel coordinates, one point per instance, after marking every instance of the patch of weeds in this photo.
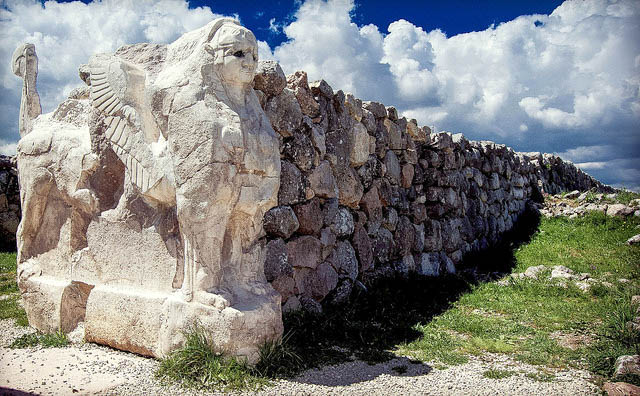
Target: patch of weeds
(400, 369)
(198, 365)
(498, 374)
(591, 197)
(626, 196)
(542, 350)
(598, 290)
(614, 338)
(437, 345)
(53, 340)
(540, 376)
(278, 359)
(633, 379)
(8, 266)
(8, 262)
(10, 308)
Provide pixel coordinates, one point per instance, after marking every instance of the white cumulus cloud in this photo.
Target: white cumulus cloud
(550, 83)
(67, 34)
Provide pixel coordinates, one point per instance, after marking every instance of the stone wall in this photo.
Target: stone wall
(9, 203)
(365, 193)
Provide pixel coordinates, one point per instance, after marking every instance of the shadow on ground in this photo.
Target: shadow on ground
(385, 315)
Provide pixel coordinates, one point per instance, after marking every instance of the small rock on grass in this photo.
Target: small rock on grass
(619, 210)
(634, 325)
(634, 240)
(627, 364)
(572, 194)
(620, 389)
(584, 286)
(533, 272)
(560, 271)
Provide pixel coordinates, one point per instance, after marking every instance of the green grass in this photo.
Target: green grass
(278, 359)
(498, 374)
(198, 365)
(591, 197)
(10, 306)
(626, 196)
(53, 340)
(8, 273)
(614, 338)
(540, 376)
(519, 319)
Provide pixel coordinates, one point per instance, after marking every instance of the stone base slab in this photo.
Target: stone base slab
(149, 323)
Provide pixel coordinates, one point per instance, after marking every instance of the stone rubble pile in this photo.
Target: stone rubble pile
(9, 203)
(559, 275)
(366, 194)
(576, 204)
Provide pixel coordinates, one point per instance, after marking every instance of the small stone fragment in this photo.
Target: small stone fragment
(627, 364)
(634, 240)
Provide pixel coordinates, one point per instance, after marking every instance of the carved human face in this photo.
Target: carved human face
(25, 61)
(239, 54)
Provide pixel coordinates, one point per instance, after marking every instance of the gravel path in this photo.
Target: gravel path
(93, 369)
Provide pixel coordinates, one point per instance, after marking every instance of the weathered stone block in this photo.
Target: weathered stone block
(277, 260)
(343, 259)
(280, 221)
(321, 282)
(270, 78)
(298, 83)
(362, 246)
(284, 112)
(304, 251)
(309, 216)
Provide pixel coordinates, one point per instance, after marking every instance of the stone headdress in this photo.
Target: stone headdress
(18, 55)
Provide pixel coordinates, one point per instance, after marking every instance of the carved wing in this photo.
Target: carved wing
(108, 87)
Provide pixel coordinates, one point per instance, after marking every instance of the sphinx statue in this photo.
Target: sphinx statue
(143, 196)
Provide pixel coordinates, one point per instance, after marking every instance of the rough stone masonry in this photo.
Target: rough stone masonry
(364, 193)
(169, 189)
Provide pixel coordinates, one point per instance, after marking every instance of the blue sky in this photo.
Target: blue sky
(452, 17)
(561, 77)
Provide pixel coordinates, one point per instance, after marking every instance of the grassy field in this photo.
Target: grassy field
(545, 322)
(9, 305)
